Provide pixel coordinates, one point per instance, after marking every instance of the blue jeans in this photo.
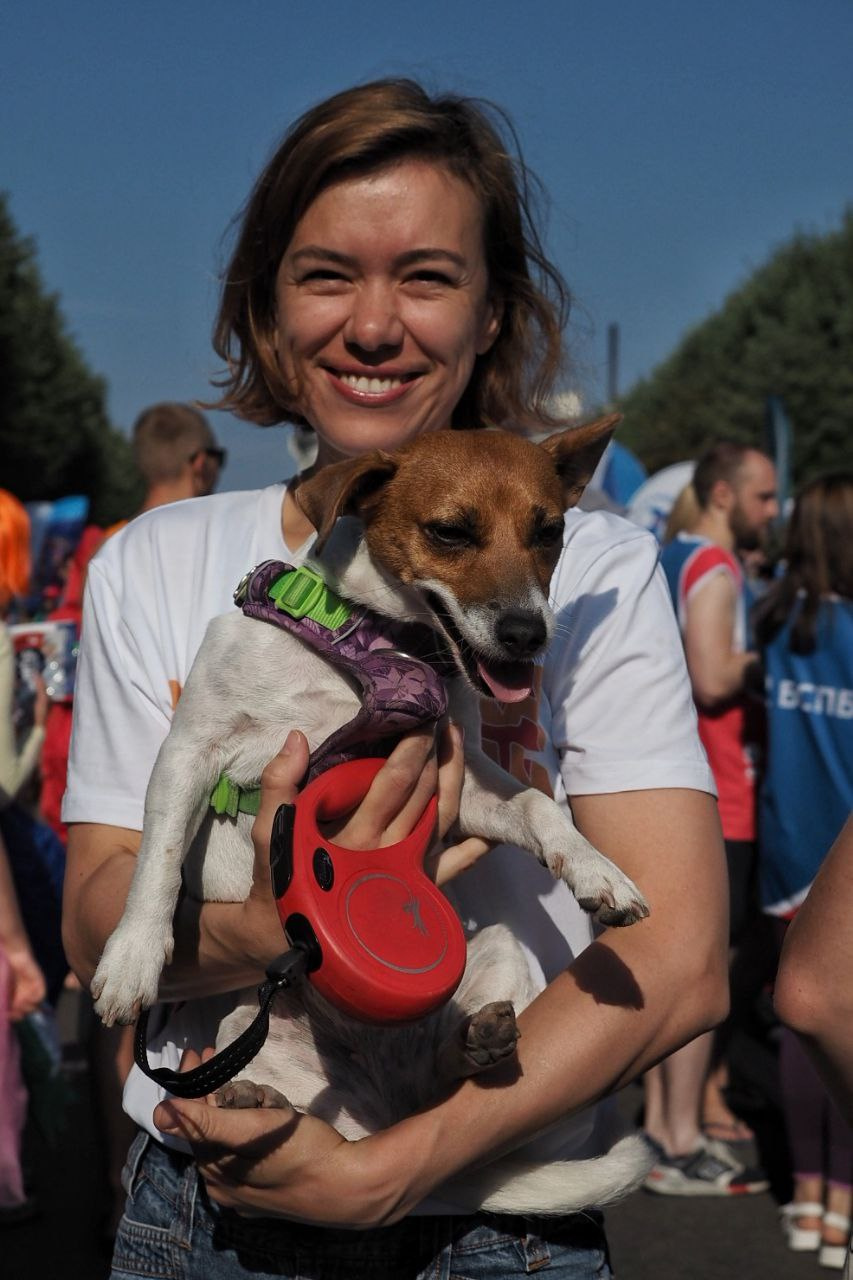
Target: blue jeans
(171, 1230)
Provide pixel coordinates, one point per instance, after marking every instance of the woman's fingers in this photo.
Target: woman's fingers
(446, 864)
(397, 796)
(451, 771)
(279, 784)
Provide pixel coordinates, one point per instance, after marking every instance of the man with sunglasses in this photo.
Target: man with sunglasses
(176, 453)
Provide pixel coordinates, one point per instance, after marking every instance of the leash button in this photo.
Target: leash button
(281, 849)
(324, 871)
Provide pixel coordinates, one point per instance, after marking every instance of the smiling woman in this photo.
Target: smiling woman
(388, 282)
(383, 306)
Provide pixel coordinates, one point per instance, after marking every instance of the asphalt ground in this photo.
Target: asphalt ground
(651, 1237)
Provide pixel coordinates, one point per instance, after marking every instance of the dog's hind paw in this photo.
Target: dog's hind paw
(482, 1041)
(238, 1094)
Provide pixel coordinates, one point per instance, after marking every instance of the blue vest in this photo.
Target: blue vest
(807, 791)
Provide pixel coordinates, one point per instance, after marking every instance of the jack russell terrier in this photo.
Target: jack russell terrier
(415, 536)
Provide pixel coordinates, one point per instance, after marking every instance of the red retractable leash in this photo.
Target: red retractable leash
(368, 928)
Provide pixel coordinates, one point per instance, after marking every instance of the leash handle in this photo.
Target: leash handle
(223, 1066)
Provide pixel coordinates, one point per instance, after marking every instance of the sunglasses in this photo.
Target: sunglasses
(218, 455)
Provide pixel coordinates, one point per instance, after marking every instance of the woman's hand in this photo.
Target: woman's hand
(27, 986)
(417, 768)
(282, 1163)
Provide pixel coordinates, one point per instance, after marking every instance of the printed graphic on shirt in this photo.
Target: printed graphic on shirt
(512, 734)
(812, 699)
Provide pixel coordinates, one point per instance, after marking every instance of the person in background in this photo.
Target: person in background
(176, 453)
(804, 629)
(735, 492)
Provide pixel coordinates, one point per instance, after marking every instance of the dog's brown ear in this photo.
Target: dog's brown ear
(343, 488)
(577, 452)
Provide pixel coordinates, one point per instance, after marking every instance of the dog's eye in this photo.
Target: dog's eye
(548, 535)
(444, 534)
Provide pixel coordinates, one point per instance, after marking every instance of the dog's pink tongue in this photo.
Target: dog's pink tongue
(508, 681)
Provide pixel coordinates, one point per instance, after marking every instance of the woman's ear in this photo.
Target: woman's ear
(491, 326)
(343, 488)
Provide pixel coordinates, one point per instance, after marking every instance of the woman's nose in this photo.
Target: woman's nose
(374, 322)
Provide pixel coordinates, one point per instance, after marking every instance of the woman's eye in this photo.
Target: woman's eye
(322, 274)
(431, 277)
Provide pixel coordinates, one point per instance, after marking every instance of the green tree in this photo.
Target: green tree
(55, 436)
(788, 331)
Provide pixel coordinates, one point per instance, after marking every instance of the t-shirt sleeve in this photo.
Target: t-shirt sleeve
(706, 563)
(121, 714)
(623, 717)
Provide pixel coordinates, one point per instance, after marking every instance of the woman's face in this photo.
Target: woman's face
(383, 306)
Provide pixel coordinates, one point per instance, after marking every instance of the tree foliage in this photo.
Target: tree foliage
(55, 435)
(788, 332)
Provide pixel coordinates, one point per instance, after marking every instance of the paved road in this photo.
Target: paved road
(652, 1237)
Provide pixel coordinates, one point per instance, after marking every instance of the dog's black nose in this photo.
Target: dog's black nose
(522, 632)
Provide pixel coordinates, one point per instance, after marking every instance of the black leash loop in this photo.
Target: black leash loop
(223, 1066)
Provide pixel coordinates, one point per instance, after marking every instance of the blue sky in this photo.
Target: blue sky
(680, 143)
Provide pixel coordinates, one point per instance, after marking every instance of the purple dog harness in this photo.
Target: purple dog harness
(399, 691)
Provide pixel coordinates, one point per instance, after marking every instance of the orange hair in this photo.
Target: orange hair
(14, 548)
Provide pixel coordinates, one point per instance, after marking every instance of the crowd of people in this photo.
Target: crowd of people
(388, 279)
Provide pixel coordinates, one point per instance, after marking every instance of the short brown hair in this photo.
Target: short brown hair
(165, 436)
(720, 461)
(359, 131)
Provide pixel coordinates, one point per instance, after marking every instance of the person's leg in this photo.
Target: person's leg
(839, 1183)
(674, 1090)
(803, 1109)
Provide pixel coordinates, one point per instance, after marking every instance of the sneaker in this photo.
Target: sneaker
(710, 1170)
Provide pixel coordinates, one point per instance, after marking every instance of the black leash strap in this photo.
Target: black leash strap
(223, 1066)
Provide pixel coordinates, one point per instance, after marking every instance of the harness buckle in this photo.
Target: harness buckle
(302, 593)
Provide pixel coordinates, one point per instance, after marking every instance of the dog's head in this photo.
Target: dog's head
(472, 522)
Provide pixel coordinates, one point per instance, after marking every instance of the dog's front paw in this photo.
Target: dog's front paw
(609, 896)
(601, 889)
(128, 975)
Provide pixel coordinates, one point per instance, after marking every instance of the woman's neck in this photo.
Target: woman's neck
(295, 525)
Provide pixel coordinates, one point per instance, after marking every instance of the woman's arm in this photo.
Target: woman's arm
(814, 995)
(631, 998)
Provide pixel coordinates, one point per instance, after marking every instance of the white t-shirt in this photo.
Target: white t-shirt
(615, 713)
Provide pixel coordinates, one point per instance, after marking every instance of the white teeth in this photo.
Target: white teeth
(371, 386)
